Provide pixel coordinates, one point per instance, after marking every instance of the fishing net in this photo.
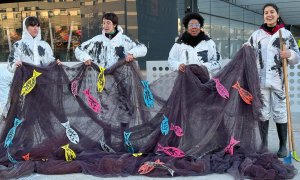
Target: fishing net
(112, 123)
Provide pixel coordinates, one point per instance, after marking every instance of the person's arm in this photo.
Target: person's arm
(294, 51)
(173, 58)
(136, 49)
(50, 55)
(81, 52)
(213, 64)
(14, 58)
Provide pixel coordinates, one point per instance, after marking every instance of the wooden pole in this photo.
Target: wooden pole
(286, 86)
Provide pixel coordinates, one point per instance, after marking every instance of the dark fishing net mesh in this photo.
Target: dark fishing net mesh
(189, 100)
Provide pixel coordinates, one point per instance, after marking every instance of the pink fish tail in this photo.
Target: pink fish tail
(159, 147)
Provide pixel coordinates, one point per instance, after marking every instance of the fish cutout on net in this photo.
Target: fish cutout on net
(229, 148)
(30, 83)
(148, 96)
(177, 129)
(26, 156)
(127, 142)
(69, 153)
(71, 133)
(164, 126)
(11, 159)
(74, 88)
(221, 89)
(171, 151)
(101, 79)
(245, 95)
(11, 133)
(137, 154)
(150, 166)
(105, 147)
(92, 102)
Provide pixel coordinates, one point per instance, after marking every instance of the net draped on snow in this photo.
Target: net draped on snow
(51, 112)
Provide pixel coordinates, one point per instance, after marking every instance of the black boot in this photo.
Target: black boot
(282, 135)
(263, 130)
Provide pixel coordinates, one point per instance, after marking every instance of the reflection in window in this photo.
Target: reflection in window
(220, 34)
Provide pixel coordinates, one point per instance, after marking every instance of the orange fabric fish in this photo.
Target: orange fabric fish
(245, 95)
(26, 156)
(148, 166)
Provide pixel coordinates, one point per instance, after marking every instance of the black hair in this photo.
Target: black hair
(111, 16)
(279, 21)
(32, 21)
(272, 5)
(190, 16)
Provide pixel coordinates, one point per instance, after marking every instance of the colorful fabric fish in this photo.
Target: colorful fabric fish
(171, 151)
(105, 147)
(127, 142)
(101, 79)
(71, 133)
(221, 89)
(229, 148)
(11, 133)
(69, 153)
(26, 156)
(177, 129)
(150, 166)
(148, 97)
(164, 126)
(245, 95)
(30, 83)
(11, 159)
(74, 87)
(92, 102)
(137, 154)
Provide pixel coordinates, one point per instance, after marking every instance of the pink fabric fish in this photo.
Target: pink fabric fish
(230, 146)
(92, 102)
(177, 129)
(245, 95)
(74, 87)
(221, 89)
(171, 151)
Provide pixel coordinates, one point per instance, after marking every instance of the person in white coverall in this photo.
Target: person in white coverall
(105, 49)
(266, 43)
(194, 47)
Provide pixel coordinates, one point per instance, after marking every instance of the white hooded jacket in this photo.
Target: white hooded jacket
(30, 50)
(267, 49)
(205, 53)
(105, 52)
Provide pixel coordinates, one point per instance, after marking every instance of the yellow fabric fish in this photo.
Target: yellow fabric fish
(30, 83)
(101, 79)
(69, 153)
(137, 154)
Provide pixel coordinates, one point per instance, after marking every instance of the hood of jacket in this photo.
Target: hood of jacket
(26, 36)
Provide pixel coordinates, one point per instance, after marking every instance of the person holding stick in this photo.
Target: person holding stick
(30, 48)
(266, 42)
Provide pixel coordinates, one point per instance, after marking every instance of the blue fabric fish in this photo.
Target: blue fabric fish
(11, 159)
(164, 126)
(127, 142)
(148, 97)
(10, 135)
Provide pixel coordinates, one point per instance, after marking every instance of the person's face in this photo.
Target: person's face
(270, 16)
(33, 30)
(194, 27)
(108, 26)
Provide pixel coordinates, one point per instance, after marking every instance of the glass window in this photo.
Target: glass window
(249, 16)
(236, 13)
(203, 6)
(206, 23)
(220, 34)
(220, 8)
(248, 30)
(236, 36)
